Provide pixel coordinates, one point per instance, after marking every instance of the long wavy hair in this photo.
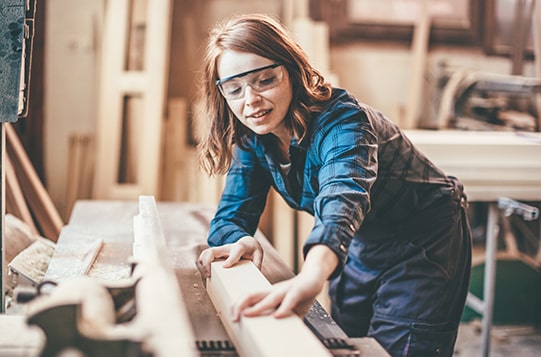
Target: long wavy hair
(266, 37)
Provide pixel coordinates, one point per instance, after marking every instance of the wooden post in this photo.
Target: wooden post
(537, 51)
(421, 37)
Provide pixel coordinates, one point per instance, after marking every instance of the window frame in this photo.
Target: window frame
(343, 29)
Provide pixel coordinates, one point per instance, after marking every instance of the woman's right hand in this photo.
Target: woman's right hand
(245, 248)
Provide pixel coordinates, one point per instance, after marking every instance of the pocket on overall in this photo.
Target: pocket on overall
(431, 340)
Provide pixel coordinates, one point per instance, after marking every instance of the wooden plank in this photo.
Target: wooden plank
(39, 201)
(77, 260)
(419, 46)
(74, 165)
(261, 335)
(118, 84)
(537, 52)
(161, 311)
(489, 164)
(80, 170)
(110, 104)
(89, 257)
(176, 158)
(15, 202)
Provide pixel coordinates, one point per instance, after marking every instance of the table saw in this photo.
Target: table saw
(97, 243)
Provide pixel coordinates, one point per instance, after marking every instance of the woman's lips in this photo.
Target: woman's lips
(258, 116)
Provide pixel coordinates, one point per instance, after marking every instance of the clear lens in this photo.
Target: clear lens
(259, 80)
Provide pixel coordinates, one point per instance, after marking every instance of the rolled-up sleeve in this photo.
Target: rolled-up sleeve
(242, 202)
(346, 146)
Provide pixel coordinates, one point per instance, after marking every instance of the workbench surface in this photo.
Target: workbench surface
(185, 226)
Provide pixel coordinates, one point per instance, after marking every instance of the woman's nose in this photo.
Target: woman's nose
(250, 95)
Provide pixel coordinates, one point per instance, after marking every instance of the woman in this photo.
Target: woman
(391, 232)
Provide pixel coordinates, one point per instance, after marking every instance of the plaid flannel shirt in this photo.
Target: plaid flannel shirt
(356, 173)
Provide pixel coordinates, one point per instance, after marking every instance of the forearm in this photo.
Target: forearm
(320, 263)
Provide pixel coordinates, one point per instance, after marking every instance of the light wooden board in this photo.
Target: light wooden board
(176, 155)
(421, 37)
(537, 51)
(46, 215)
(117, 85)
(262, 335)
(161, 310)
(80, 170)
(489, 164)
(15, 202)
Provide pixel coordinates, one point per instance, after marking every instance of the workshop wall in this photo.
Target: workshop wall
(72, 32)
(377, 73)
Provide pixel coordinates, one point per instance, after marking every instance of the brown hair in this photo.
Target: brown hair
(266, 37)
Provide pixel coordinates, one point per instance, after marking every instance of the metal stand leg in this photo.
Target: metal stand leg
(490, 275)
(485, 307)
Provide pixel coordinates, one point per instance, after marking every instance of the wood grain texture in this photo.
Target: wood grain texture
(118, 86)
(261, 335)
(185, 226)
(489, 164)
(537, 51)
(46, 215)
(421, 37)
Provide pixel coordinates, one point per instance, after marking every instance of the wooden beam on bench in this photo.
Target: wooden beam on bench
(262, 335)
(162, 315)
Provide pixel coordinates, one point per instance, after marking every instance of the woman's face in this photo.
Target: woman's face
(258, 93)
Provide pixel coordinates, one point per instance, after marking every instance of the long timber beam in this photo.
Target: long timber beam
(263, 336)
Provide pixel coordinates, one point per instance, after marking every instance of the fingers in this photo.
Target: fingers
(235, 254)
(209, 255)
(282, 300)
(293, 305)
(265, 306)
(245, 248)
(260, 303)
(258, 258)
(241, 305)
(286, 308)
(256, 304)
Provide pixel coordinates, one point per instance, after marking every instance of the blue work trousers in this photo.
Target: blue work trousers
(409, 293)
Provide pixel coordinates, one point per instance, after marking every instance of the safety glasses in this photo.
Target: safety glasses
(259, 79)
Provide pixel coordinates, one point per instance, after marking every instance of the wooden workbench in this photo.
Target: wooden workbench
(489, 164)
(185, 227)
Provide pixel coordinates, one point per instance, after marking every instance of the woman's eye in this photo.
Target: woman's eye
(231, 90)
(266, 81)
